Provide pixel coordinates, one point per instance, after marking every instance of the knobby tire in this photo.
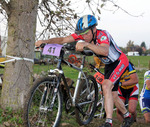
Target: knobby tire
(40, 97)
(84, 113)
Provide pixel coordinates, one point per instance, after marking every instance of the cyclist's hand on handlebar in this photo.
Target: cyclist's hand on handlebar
(80, 46)
(38, 43)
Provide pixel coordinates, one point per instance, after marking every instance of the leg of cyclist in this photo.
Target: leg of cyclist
(119, 103)
(130, 97)
(133, 101)
(109, 104)
(107, 91)
(145, 108)
(110, 98)
(118, 106)
(113, 73)
(132, 108)
(128, 120)
(147, 117)
(119, 115)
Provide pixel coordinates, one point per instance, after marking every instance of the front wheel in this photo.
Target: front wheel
(87, 97)
(39, 111)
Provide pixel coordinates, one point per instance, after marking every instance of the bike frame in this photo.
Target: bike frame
(62, 76)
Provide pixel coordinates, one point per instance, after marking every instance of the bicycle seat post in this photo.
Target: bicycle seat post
(83, 61)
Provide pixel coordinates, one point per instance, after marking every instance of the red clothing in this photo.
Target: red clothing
(103, 36)
(116, 61)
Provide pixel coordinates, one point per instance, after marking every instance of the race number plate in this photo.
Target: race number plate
(99, 77)
(52, 49)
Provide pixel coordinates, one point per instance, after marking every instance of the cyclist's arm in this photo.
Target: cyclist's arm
(60, 40)
(102, 49)
(133, 80)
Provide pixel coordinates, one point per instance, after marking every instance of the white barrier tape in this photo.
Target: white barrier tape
(0, 80)
(17, 58)
(7, 61)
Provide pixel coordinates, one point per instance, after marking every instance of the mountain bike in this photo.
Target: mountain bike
(44, 102)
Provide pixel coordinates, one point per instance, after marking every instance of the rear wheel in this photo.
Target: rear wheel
(38, 110)
(86, 101)
(100, 112)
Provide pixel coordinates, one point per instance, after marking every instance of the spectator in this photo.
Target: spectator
(98, 62)
(145, 97)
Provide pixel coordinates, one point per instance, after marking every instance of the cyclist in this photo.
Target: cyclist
(104, 47)
(145, 97)
(128, 91)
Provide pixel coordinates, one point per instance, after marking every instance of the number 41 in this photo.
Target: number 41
(52, 50)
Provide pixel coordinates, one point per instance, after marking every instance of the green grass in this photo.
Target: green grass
(9, 118)
(142, 62)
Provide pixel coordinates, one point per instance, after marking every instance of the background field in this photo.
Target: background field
(142, 63)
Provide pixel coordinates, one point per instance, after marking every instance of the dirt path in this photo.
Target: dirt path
(96, 122)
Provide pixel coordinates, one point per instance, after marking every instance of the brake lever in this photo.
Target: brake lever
(71, 48)
(41, 46)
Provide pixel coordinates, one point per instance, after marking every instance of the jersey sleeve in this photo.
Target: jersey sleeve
(77, 37)
(132, 69)
(147, 75)
(103, 37)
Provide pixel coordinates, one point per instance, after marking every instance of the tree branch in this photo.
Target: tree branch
(118, 7)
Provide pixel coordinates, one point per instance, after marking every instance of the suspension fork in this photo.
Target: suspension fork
(54, 94)
(44, 95)
(56, 87)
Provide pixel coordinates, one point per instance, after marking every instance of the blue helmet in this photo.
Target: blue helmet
(85, 23)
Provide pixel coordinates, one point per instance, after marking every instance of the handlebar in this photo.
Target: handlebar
(41, 46)
(71, 48)
(87, 52)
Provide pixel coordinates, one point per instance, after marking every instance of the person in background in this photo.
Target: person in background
(128, 91)
(98, 62)
(145, 97)
(103, 46)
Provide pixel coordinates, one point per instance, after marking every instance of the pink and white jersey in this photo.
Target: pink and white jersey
(102, 36)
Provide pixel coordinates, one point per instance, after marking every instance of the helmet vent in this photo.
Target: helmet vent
(90, 21)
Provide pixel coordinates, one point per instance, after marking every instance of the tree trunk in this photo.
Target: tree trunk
(21, 37)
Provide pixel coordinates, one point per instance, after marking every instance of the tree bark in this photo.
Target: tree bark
(21, 37)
